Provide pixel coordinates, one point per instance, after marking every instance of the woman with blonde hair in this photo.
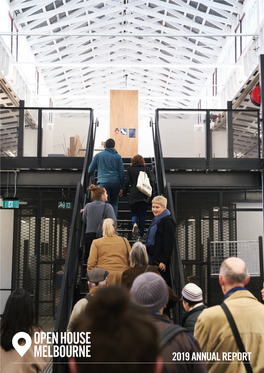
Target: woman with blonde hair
(139, 264)
(160, 238)
(110, 252)
(92, 214)
(139, 202)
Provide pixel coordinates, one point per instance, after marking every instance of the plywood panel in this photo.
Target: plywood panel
(124, 121)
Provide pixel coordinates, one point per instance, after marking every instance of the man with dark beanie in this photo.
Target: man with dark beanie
(110, 172)
(181, 352)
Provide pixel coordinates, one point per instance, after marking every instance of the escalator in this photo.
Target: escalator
(74, 283)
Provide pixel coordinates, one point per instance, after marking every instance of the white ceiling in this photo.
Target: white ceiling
(84, 48)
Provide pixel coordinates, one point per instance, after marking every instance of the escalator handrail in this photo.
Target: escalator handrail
(177, 251)
(70, 271)
(164, 188)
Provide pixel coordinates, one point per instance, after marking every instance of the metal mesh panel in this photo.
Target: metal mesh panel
(182, 241)
(24, 259)
(54, 233)
(197, 273)
(204, 237)
(55, 229)
(229, 225)
(198, 217)
(246, 250)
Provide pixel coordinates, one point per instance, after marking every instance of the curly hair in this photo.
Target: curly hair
(137, 159)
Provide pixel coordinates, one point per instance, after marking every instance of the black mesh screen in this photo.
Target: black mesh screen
(198, 218)
(41, 230)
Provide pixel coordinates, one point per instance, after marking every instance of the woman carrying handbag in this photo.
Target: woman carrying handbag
(139, 202)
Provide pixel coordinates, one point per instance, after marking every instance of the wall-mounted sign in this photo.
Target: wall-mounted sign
(64, 205)
(10, 204)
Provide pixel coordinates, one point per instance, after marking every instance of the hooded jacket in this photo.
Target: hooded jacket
(109, 167)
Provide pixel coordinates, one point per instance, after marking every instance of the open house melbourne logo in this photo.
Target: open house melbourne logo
(53, 344)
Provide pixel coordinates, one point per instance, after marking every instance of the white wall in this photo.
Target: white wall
(6, 250)
(249, 223)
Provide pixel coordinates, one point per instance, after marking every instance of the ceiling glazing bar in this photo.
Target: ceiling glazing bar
(129, 35)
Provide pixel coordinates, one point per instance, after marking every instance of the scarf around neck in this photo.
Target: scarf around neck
(151, 233)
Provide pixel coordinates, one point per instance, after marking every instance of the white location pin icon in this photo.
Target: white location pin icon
(21, 349)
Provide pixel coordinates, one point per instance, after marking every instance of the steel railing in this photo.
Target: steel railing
(164, 188)
(72, 259)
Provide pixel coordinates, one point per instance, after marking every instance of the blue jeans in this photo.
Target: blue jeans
(112, 190)
(138, 215)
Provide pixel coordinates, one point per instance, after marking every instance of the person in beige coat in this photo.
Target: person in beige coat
(110, 252)
(212, 328)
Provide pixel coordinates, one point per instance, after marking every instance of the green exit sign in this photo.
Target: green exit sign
(64, 205)
(10, 204)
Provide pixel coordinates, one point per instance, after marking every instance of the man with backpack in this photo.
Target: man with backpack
(179, 349)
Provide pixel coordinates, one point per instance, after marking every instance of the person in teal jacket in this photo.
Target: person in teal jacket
(110, 172)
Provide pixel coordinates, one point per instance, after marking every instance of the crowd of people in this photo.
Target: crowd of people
(126, 310)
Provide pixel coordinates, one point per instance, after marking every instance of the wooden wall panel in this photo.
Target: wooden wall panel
(124, 121)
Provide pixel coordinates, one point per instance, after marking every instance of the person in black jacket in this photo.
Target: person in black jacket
(138, 201)
(160, 238)
(192, 301)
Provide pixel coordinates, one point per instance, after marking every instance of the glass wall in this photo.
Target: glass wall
(183, 133)
(65, 132)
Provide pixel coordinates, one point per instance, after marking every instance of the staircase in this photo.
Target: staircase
(124, 224)
(124, 227)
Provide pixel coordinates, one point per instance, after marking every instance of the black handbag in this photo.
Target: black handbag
(99, 232)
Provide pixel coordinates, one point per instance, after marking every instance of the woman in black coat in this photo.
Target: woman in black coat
(160, 238)
(138, 201)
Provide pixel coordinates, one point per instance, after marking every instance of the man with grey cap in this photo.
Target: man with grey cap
(192, 301)
(151, 291)
(97, 278)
